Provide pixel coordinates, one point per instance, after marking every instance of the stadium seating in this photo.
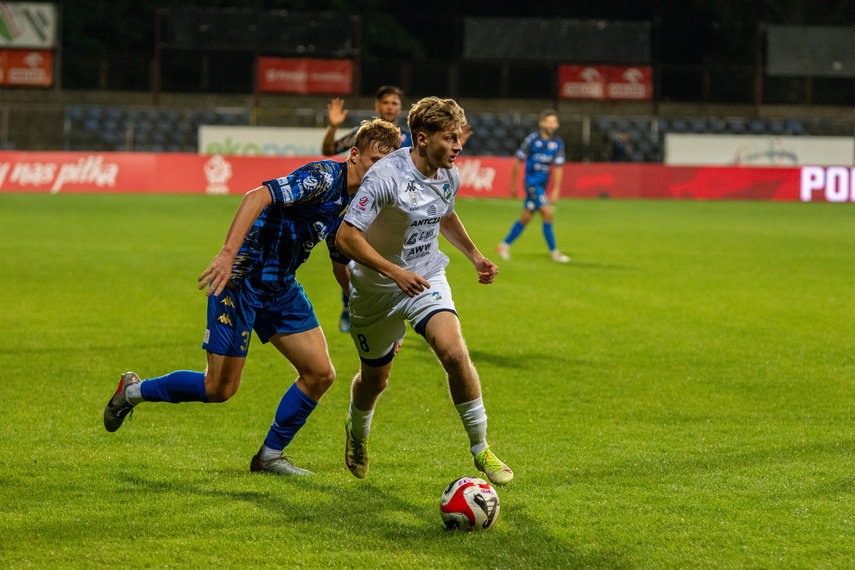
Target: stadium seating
(114, 128)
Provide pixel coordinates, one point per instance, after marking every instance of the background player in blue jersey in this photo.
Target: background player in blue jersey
(542, 151)
(252, 286)
(388, 101)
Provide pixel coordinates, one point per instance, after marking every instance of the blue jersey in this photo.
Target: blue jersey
(345, 143)
(308, 207)
(539, 154)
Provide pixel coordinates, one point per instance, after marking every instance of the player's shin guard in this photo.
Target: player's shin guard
(292, 413)
(175, 387)
(474, 418)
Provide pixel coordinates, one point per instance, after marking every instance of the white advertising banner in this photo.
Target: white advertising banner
(751, 150)
(256, 141)
(27, 25)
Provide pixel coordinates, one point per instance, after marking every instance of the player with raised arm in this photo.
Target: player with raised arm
(252, 286)
(542, 151)
(388, 101)
(392, 233)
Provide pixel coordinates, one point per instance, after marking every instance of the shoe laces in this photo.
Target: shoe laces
(490, 461)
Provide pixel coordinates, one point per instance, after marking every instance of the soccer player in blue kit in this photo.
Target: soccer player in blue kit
(542, 151)
(388, 101)
(252, 285)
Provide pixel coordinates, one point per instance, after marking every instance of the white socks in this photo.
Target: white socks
(360, 422)
(474, 418)
(266, 454)
(133, 394)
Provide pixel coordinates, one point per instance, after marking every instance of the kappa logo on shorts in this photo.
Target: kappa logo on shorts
(228, 302)
(224, 318)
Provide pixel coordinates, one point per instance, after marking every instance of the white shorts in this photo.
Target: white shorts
(378, 319)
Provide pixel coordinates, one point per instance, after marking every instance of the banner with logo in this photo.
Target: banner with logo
(26, 67)
(165, 173)
(249, 141)
(757, 150)
(605, 82)
(28, 25)
(305, 76)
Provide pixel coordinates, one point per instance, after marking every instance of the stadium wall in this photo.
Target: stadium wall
(184, 173)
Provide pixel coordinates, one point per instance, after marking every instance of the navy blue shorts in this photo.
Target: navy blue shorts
(234, 314)
(535, 198)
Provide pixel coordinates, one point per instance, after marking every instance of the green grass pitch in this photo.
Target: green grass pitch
(679, 396)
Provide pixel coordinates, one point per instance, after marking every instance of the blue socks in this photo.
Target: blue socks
(515, 232)
(518, 228)
(549, 235)
(291, 414)
(175, 387)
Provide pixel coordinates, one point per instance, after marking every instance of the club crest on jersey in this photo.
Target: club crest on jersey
(414, 195)
(446, 191)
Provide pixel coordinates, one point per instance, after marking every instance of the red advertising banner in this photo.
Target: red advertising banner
(26, 67)
(289, 75)
(630, 83)
(605, 82)
(79, 172)
(581, 82)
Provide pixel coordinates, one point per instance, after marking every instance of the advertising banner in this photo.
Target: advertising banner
(605, 82)
(28, 25)
(164, 173)
(26, 67)
(292, 75)
(249, 141)
(751, 150)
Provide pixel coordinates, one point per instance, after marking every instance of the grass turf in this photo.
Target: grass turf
(680, 395)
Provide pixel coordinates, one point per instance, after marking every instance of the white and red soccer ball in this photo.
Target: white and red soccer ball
(469, 503)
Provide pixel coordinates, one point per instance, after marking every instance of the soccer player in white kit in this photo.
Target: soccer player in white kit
(391, 230)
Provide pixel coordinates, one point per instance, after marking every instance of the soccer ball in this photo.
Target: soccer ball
(469, 503)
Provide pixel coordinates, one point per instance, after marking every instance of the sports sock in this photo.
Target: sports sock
(345, 299)
(360, 422)
(549, 235)
(515, 232)
(292, 413)
(474, 418)
(175, 387)
(133, 394)
(266, 454)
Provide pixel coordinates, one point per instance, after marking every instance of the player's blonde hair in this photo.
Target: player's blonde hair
(432, 114)
(384, 134)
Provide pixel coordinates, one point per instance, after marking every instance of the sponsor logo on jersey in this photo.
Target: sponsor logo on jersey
(432, 210)
(413, 238)
(426, 221)
(419, 251)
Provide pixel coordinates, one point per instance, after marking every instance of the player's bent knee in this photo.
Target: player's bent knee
(320, 379)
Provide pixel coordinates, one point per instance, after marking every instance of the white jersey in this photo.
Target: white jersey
(399, 210)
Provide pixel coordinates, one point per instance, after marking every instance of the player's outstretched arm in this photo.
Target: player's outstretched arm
(337, 114)
(350, 241)
(218, 273)
(453, 230)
